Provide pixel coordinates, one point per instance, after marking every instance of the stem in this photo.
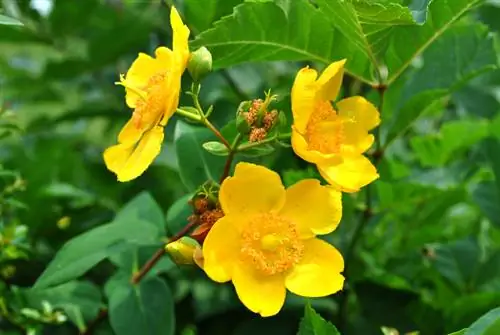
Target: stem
(188, 115)
(217, 133)
(202, 117)
(247, 146)
(232, 152)
(136, 278)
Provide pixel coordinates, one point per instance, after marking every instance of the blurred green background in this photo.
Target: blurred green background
(428, 259)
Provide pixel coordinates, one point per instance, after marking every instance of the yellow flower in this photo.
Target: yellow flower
(152, 87)
(333, 140)
(266, 242)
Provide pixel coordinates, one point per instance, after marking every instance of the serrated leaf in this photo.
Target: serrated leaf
(5, 20)
(408, 42)
(313, 324)
(281, 30)
(84, 251)
(202, 13)
(367, 25)
(146, 308)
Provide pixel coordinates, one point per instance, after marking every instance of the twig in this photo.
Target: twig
(217, 133)
(137, 277)
(230, 157)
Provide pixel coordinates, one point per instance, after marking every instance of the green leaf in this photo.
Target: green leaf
(202, 13)
(178, 213)
(454, 137)
(313, 324)
(145, 208)
(196, 165)
(486, 196)
(281, 30)
(463, 52)
(365, 32)
(216, 148)
(84, 251)
(8, 21)
(146, 308)
(488, 324)
(458, 262)
(258, 151)
(80, 301)
(408, 42)
(367, 25)
(491, 147)
(132, 259)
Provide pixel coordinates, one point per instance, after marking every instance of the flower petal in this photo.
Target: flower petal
(180, 38)
(127, 162)
(314, 208)
(131, 132)
(303, 97)
(356, 138)
(260, 294)
(115, 157)
(138, 76)
(165, 57)
(221, 248)
(330, 80)
(355, 172)
(318, 274)
(253, 189)
(301, 149)
(360, 111)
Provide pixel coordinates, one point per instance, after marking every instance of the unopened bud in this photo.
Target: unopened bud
(200, 64)
(182, 250)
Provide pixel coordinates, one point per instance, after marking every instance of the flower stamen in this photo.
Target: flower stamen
(271, 243)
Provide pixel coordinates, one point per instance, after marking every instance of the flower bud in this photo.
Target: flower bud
(200, 64)
(182, 250)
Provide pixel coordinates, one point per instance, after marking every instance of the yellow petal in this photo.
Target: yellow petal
(115, 157)
(301, 149)
(360, 111)
(129, 163)
(318, 274)
(303, 97)
(356, 139)
(260, 294)
(354, 173)
(131, 132)
(165, 57)
(173, 100)
(315, 209)
(330, 80)
(221, 248)
(138, 76)
(180, 39)
(253, 189)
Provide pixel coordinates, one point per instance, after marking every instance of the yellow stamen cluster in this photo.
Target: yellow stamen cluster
(325, 129)
(153, 98)
(271, 243)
